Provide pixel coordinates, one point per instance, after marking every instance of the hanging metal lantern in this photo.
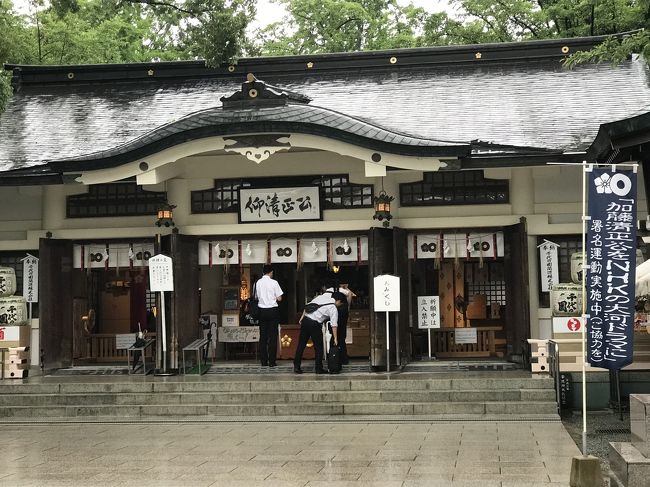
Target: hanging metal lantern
(382, 208)
(165, 215)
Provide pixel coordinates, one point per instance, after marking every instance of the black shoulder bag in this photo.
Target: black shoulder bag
(254, 304)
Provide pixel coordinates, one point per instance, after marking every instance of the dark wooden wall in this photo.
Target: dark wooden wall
(185, 298)
(517, 290)
(54, 289)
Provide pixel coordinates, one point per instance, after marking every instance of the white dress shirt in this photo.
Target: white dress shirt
(268, 291)
(326, 312)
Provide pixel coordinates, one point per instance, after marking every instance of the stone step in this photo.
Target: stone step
(476, 409)
(128, 398)
(278, 384)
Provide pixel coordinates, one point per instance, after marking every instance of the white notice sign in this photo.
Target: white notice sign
(124, 340)
(548, 265)
(465, 336)
(428, 312)
(30, 279)
(386, 293)
(161, 274)
(235, 334)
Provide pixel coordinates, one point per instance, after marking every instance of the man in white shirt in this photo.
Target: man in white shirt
(268, 293)
(311, 326)
(344, 312)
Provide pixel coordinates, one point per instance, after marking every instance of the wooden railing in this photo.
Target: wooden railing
(487, 344)
(100, 347)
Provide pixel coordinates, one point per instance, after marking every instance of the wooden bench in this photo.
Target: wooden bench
(148, 342)
(197, 346)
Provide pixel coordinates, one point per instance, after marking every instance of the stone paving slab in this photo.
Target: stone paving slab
(270, 453)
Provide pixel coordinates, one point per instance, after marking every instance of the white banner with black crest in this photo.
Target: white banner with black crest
(112, 255)
(218, 252)
(344, 249)
(284, 250)
(486, 245)
(424, 246)
(451, 245)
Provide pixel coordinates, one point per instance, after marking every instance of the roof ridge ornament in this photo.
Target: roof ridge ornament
(257, 93)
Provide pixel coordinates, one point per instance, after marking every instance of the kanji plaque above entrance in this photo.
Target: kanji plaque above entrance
(279, 204)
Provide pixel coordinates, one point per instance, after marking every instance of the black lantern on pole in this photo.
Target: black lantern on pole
(165, 215)
(382, 208)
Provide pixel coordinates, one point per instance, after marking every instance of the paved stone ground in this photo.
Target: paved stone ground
(301, 454)
(603, 427)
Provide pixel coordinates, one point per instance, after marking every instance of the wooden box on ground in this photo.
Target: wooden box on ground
(15, 336)
(289, 336)
(360, 346)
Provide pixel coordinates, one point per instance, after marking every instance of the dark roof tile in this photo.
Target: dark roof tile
(535, 103)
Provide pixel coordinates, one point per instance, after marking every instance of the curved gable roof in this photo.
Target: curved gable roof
(514, 95)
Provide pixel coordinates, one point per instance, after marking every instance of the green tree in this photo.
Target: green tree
(316, 26)
(120, 31)
(510, 20)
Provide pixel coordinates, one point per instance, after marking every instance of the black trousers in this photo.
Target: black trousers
(269, 321)
(314, 330)
(342, 332)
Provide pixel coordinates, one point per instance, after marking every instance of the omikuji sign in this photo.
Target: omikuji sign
(279, 204)
(611, 251)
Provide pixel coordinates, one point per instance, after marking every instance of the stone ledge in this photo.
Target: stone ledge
(628, 466)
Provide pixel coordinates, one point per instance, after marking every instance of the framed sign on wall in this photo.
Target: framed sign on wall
(268, 205)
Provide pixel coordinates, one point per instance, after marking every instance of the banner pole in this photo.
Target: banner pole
(584, 308)
(164, 333)
(387, 342)
(429, 341)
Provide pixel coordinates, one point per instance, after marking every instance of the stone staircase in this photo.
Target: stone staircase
(246, 396)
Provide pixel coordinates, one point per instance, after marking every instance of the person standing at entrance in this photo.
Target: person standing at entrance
(269, 294)
(311, 326)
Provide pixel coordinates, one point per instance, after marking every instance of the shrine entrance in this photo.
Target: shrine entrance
(479, 278)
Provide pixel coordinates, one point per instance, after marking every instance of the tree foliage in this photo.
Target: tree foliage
(348, 25)
(120, 31)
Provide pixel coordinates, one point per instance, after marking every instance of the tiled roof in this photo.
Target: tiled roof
(525, 103)
(289, 118)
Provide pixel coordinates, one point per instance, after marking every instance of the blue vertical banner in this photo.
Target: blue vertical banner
(611, 260)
